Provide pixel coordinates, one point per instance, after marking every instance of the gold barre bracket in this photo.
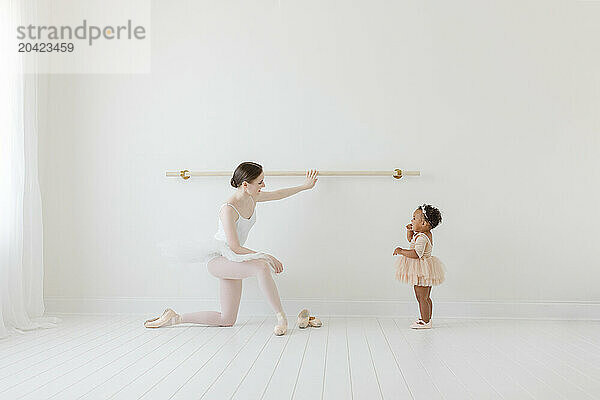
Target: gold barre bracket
(185, 174)
(396, 173)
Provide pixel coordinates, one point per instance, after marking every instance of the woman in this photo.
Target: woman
(231, 261)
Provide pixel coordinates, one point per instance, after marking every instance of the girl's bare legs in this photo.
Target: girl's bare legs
(230, 274)
(430, 303)
(422, 294)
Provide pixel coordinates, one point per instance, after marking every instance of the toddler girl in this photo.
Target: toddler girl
(416, 266)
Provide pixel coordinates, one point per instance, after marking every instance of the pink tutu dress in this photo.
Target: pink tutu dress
(426, 270)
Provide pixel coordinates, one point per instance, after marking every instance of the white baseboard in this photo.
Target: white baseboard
(324, 307)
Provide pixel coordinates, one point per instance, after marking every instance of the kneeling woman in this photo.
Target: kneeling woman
(231, 261)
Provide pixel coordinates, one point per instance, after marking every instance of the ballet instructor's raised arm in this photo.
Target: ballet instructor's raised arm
(309, 183)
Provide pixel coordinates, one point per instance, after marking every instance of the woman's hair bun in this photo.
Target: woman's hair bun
(245, 172)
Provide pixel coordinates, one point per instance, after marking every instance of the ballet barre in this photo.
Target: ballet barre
(396, 173)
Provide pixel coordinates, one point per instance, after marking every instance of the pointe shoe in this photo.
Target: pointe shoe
(281, 327)
(168, 318)
(420, 324)
(303, 319)
(315, 322)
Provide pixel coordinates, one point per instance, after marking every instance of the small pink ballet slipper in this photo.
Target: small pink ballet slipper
(420, 324)
(168, 318)
(303, 319)
(315, 322)
(281, 327)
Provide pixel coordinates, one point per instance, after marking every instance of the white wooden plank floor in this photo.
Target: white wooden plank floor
(92, 357)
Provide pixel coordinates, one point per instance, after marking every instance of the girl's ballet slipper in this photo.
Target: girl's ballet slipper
(420, 324)
(303, 319)
(315, 322)
(281, 327)
(168, 318)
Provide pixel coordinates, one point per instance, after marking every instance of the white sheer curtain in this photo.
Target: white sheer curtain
(21, 256)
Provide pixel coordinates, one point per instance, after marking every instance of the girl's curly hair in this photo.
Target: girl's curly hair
(431, 215)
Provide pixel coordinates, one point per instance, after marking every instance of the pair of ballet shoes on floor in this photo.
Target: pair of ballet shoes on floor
(305, 320)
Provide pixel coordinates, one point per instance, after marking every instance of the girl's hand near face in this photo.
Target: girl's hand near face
(311, 179)
(409, 232)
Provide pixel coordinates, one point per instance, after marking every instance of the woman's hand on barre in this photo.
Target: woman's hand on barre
(311, 178)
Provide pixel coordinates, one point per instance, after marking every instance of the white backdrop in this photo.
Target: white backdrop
(495, 102)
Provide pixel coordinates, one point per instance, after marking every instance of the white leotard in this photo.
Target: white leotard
(193, 251)
(242, 226)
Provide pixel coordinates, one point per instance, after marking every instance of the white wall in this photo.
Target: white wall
(495, 102)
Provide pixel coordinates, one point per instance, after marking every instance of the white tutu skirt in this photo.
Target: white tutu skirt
(202, 251)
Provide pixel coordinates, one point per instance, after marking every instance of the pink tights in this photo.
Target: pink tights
(230, 276)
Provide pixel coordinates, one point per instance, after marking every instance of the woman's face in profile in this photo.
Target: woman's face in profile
(256, 185)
